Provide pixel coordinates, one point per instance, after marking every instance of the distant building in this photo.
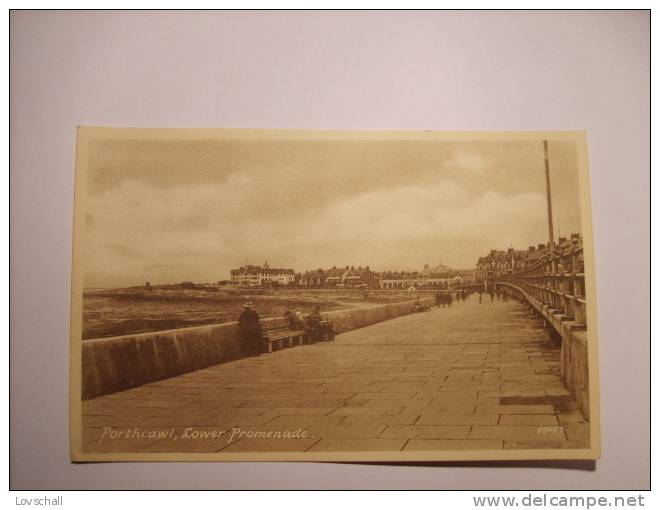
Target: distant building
(499, 263)
(431, 277)
(257, 276)
(343, 277)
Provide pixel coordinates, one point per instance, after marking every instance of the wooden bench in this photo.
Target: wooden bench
(277, 332)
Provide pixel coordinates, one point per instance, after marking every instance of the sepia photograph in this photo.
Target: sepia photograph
(328, 295)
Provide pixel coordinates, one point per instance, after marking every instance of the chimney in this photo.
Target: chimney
(541, 246)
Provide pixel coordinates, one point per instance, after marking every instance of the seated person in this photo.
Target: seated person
(314, 327)
(299, 320)
(291, 320)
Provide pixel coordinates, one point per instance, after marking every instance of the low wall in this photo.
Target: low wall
(575, 367)
(124, 362)
(574, 351)
(346, 320)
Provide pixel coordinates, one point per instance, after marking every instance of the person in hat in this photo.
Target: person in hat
(291, 320)
(300, 319)
(250, 330)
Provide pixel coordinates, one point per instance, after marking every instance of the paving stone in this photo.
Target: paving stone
(304, 421)
(445, 408)
(515, 409)
(334, 403)
(298, 411)
(347, 431)
(571, 417)
(124, 411)
(455, 402)
(457, 419)
(522, 393)
(393, 402)
(490, 394)
(453, 444)
(269, 445)
(455, 394)
(518, 432)
(370, 411)
(345, 445)
(397, 419)
(557, 391)
(272, 401)
(516, 388)
(427, 431)
(241, 411)
(528, 419)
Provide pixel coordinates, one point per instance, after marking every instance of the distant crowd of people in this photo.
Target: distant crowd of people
(446, 299)
(494, 293)
(443, 299)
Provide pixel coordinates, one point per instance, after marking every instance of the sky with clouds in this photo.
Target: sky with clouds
(168, 211)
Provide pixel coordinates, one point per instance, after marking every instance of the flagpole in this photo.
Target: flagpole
(547, 187)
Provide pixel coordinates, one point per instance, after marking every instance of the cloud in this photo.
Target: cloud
(200, 232)
(387, 206)
(469, 161)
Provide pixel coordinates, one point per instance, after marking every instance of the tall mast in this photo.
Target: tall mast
(547, 187)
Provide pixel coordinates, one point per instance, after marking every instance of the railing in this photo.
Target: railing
(557, 280)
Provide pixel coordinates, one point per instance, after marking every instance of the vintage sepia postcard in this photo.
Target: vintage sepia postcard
(332, 296)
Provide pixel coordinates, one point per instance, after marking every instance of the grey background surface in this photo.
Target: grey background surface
(326, 70)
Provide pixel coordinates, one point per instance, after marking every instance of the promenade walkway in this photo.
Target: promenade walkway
(473, 376)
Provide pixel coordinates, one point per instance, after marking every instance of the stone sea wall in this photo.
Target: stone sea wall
(123, 362)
